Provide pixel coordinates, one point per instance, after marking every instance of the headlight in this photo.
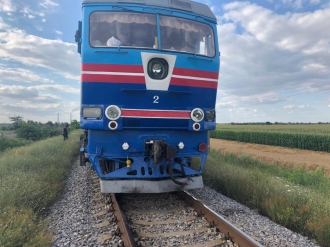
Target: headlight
(158, 68)
(92, 112)
(113, 112)
(197, 115)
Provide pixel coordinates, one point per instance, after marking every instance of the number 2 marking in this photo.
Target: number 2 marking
(156, 98)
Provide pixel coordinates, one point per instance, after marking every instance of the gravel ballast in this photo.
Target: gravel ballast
(73, 224)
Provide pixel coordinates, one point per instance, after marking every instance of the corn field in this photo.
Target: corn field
(308, 140)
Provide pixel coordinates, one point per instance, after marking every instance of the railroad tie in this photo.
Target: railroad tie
(154, 211)
(172, 234)
(163, 222)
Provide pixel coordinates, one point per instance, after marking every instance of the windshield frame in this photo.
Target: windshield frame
(156, 38)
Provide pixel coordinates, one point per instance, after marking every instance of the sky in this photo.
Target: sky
(275, 60)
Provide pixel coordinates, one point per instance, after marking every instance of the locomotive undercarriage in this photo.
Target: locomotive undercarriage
(157, 170)
(172, 175)
(159, 157)
(148, 162)
(177, 167)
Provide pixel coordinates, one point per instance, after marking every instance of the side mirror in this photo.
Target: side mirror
(77, 36)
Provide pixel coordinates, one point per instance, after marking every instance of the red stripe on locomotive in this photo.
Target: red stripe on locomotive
(195, 73)
(112, 68)
(193, 83)
(113, 79)
(154, 114)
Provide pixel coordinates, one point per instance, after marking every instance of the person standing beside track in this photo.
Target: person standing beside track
(65, 132)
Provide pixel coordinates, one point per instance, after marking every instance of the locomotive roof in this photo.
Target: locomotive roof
(186, 5)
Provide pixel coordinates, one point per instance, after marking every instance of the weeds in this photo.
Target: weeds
(7, 143)
(21, 227)
(297, 199)
(32, 179)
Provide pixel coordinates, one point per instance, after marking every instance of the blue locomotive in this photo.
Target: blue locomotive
(149, 78)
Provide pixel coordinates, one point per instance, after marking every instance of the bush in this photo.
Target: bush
(6, 143)
(32, 132)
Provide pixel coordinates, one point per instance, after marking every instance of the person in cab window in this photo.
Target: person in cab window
(140, 35)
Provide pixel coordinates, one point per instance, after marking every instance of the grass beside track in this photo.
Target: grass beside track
(32, 179)
(297, 199)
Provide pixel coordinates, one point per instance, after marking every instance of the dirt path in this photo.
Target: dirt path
(276, 155)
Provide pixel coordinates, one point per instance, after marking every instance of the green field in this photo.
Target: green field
(308, 129)
(314, 137)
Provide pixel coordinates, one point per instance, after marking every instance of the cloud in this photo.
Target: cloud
(40, 102)
(315, 2)
(296, 107)
(43, 99)
(21, 75)
(7, 6)
(39, 112)
(3, 25)
(272, 53)
(18, 92)
(289, 106)
(29, 13)
(56, 55)
(59, 88)
(29, 111)
(28, 8)
(296, 4)
(232, 100)
(292, 31)
(48, 3)
(37, 94)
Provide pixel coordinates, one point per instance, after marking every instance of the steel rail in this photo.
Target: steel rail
(231, 231)
(125, 230)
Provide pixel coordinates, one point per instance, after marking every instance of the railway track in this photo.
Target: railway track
(168, 219)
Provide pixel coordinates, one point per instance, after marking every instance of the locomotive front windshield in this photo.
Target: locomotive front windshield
(137, 30)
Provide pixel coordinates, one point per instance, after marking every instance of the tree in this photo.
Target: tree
(29, 131)
(74, 125)
(16, 121)
(49, 124)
